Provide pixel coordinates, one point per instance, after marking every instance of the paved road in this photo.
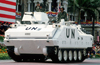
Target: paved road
(86, 62)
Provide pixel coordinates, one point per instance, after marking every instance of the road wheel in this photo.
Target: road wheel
(79, 55)
(65, 56)
(42, 59)
(31, 60)
(75, 55)
(59, 55)
(25, 60)
(36, 59)
(14, 57)
(84, 52)
(84, 55)
(70, 55)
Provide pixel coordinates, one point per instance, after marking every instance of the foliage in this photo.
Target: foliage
(1, 38)
(4, 56)
(3, 50)
(89, 6)
(2, 46)
(96, 56)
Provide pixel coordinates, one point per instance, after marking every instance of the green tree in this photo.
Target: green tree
(24, 7)
(89, 6)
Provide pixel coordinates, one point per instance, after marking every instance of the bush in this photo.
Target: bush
(4, 56)
(3, 53)
(2, 46)
(1, 38)
(3, 50)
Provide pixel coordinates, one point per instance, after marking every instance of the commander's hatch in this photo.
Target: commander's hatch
(36, 17)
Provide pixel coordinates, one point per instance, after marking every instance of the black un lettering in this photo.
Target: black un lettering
(67, 33)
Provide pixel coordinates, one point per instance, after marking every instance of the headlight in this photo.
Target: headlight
(7, 37)
(45, 51)
(59, 26)
(47, 37)
(13, 25)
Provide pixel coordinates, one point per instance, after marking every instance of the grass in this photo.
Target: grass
(97, 56)
(4, 56)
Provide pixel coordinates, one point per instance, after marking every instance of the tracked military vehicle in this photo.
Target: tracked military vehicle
(36, 40)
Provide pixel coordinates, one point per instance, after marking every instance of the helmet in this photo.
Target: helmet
(41, 4)
(53, 20)
(62, 7)
(37, 2)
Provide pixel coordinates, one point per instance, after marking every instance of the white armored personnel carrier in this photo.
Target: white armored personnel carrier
(36, 40)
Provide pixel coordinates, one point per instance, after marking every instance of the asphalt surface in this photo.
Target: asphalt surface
(49, 62)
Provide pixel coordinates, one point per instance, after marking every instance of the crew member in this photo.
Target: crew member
(37, 7)
(62, 14)
(41, 8)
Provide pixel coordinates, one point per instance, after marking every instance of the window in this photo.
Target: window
(35, 22)
(54, 6)
(38, 22)
(26, 22)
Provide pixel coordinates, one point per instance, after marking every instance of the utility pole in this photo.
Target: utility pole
(74, 10)
(93, 27)
(32, 5)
